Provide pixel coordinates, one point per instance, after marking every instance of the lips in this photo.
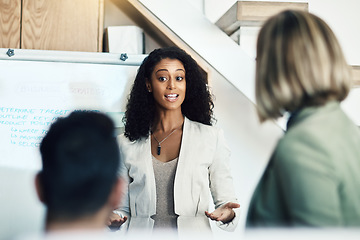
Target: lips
(172, 97)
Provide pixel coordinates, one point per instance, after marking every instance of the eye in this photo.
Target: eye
(179, 78)
(162, 79)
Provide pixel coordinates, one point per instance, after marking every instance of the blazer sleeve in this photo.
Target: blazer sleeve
(124, 208)
(221, 181)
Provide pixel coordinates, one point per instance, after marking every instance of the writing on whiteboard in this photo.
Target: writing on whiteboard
(27, 126)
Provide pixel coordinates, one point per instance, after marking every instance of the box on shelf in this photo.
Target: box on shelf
(124, 39)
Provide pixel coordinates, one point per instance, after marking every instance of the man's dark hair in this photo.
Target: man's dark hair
(80, 158)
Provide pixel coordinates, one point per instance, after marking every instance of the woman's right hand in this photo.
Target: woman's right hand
(115, 221)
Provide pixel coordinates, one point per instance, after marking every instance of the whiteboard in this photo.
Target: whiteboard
(37, 87)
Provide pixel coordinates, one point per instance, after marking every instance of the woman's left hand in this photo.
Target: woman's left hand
(224, 213)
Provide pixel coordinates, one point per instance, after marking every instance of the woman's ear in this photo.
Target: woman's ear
(39, 187)
(148, 85)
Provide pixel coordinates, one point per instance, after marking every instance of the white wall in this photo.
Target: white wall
(342, 16)
(344, 19)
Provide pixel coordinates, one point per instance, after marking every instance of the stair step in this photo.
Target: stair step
(244, 13)
(356, 75)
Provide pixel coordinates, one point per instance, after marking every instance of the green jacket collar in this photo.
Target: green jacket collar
(303, 113)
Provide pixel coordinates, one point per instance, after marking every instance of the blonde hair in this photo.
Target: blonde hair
(299, 63)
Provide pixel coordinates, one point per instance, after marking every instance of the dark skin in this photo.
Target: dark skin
(115, 221)
(168, 86)
(169, 77)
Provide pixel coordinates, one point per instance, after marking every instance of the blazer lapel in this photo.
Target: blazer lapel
(182, 178)
(145, 154)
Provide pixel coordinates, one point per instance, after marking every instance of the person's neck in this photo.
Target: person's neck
(168, 121)
(93, 222)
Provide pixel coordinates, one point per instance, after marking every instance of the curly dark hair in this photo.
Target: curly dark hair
(140, 109)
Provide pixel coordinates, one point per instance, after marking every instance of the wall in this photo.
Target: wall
(342, 16)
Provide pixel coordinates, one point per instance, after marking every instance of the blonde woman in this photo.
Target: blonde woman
(313, 177)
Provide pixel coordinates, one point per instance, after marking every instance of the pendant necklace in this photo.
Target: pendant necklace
(160, 142)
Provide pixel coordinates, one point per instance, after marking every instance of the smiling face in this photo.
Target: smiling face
(168, 84)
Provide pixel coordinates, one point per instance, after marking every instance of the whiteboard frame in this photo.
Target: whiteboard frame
(72, 57)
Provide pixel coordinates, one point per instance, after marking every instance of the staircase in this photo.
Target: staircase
(242, 23)
(356, 76)
(244, 14)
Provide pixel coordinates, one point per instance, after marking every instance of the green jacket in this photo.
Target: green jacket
(313, 176)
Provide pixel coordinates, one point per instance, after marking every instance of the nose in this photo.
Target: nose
(171, 83)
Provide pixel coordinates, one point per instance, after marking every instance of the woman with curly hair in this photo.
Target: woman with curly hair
(171, 152)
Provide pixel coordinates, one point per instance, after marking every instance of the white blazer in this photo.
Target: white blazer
(203, 164)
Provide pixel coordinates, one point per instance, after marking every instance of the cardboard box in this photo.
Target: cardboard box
(124, 39)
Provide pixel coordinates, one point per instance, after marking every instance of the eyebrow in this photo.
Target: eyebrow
(165, 70)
